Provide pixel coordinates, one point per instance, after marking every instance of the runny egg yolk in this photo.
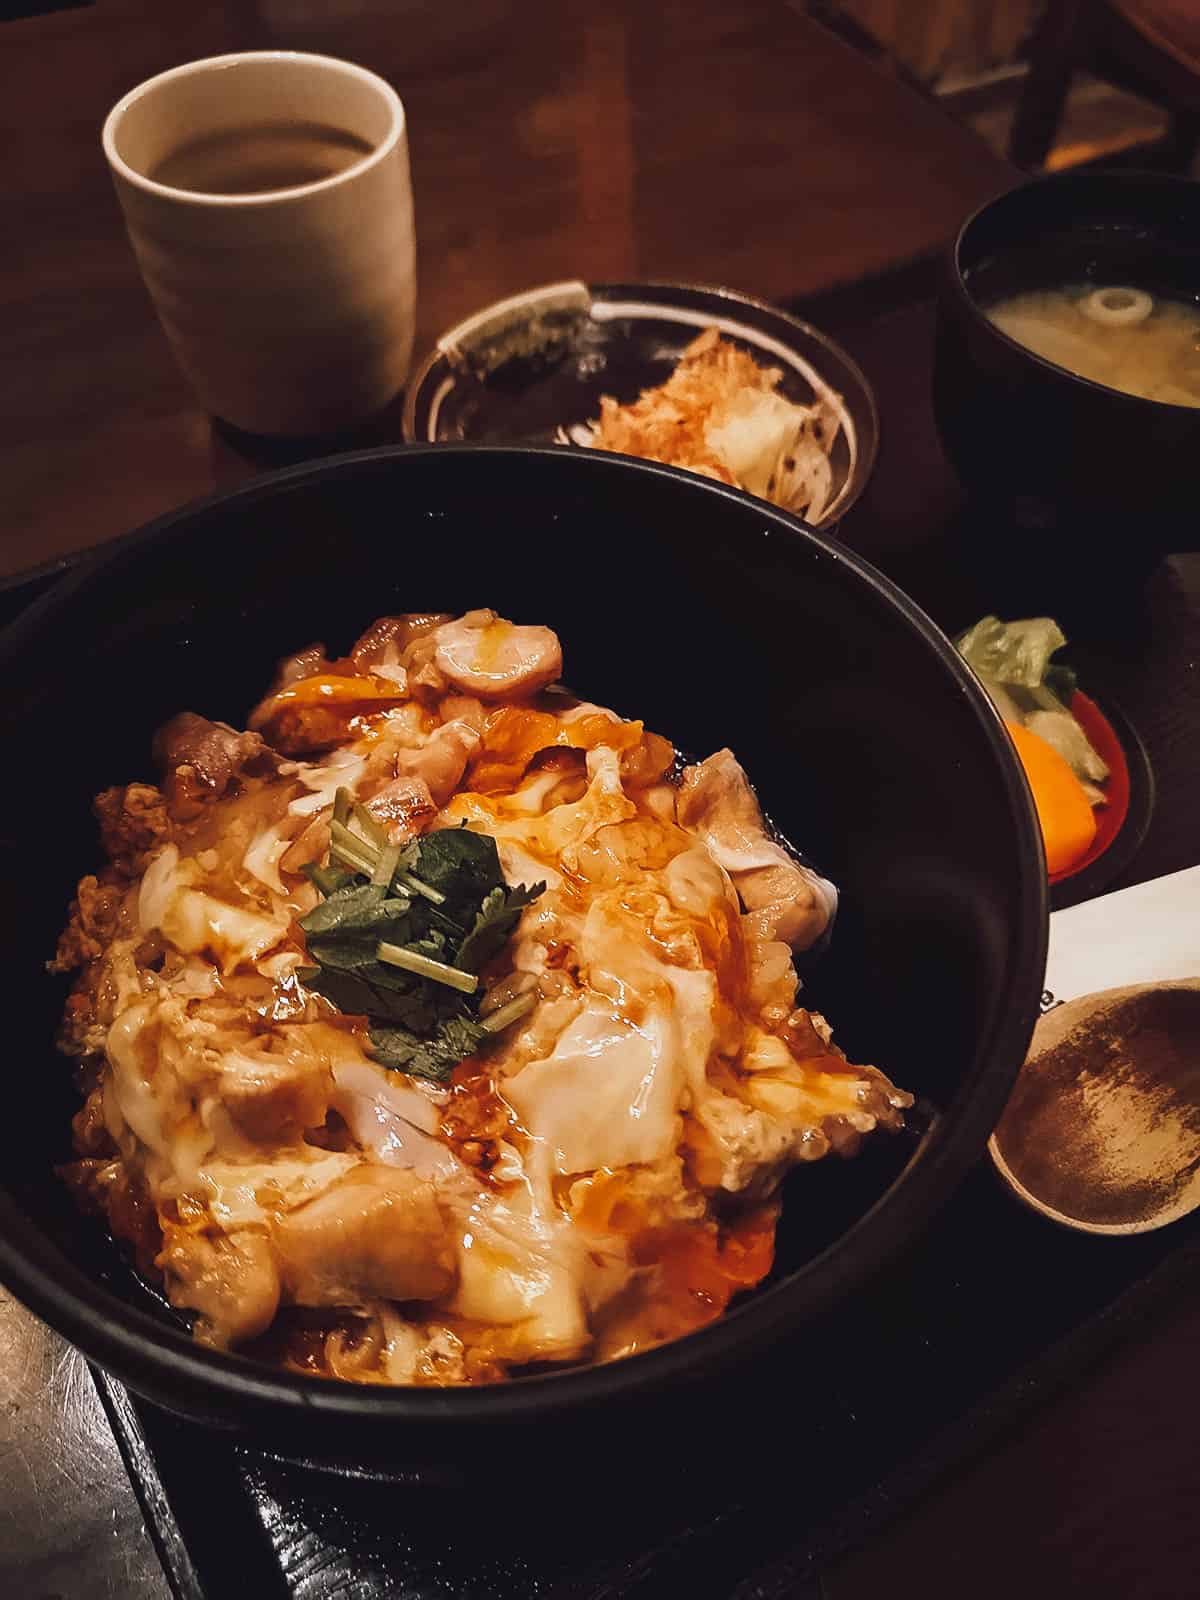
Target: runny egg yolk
(1064, 810)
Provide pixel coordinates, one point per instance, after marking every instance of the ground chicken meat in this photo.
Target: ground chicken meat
(90, 926)
(133, 823)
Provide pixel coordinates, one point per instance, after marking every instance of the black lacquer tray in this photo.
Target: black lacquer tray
(988, 1316)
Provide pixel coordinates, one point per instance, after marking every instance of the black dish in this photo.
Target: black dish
(1089, 484)
(715, 618)
(533, 368)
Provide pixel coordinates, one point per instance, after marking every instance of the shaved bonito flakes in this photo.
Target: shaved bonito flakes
(439, 1155)
(720, 414)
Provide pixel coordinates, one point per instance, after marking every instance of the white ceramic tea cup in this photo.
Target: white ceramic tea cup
(291, 309)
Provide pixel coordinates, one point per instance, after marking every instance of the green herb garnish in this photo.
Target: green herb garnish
(435, 1056)
(402, 934)
(426, 967)
(494, 922)
(504, 1016)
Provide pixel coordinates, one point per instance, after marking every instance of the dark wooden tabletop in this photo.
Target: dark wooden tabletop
(671, 139)
(719, 142)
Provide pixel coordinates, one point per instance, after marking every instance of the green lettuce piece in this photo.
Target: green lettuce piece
(1012, 653)
(1012, 662)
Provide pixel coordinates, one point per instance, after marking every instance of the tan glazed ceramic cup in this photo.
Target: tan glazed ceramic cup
(290, 310)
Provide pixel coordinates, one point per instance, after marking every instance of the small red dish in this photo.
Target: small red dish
(1110, 818)
(1121, 823)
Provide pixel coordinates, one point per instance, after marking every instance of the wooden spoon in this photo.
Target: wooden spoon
(1102, 1131)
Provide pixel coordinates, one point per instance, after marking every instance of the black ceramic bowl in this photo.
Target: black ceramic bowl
(1103, 477)
(713, 617)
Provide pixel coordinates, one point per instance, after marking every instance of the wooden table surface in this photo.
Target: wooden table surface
(669, 139)
(730, 143)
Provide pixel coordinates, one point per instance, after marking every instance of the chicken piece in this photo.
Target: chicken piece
(484, 655)
(648, 762)
(386, 640)
(405, 808)
(440, 763)
(738, 1147)
(464, 708)
(230, 1279)
(275, 1095)
(406, 749)
(783, 906)
(796, 1097)
(783, 900)
(310, 844)
(378, 1234)
(215, 752)
(771, 978)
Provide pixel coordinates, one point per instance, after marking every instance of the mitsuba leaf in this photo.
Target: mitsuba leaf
(418, 1023)
(494, 923)
(454, 1039)
(327, 879)
(356, 908)
(462, 865)
(348, 991)
(343, 955)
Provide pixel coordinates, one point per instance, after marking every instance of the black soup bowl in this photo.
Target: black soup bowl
(716, 619)
(1095, 480)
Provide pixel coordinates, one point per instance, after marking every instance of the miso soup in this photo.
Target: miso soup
(1121, 337)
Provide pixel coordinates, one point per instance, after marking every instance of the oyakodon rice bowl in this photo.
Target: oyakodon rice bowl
(442, 1024)
(718, 620)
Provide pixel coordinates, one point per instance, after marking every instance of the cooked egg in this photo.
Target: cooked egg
(598, 1177)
